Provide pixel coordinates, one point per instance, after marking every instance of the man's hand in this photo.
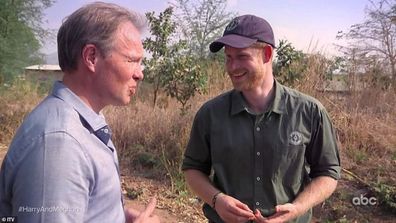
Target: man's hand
(283, 213)
(134, 216)
(232, 210)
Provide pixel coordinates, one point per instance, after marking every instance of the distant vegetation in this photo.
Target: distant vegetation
(21, 35)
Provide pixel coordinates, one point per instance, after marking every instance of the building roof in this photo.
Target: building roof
(46, 67)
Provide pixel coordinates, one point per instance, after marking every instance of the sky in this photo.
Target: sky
(310, 25)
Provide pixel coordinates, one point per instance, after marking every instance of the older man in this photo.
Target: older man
(62, 165)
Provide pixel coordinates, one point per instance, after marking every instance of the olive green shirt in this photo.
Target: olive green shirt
(263, 160)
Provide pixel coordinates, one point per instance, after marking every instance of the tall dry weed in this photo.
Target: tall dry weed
(16, 100)
(365, 120)
(151, 139)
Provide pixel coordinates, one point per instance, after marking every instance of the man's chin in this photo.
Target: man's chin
(240, 87)
(126, 102)
(123, 102)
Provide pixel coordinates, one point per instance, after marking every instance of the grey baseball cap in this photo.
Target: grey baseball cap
(243, 31)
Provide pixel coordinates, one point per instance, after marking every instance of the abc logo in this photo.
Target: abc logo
(362, 200)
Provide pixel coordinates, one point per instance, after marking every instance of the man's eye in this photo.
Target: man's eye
(133, 60)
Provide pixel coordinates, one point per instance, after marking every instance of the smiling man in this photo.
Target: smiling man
(62, 165)
(272, 149)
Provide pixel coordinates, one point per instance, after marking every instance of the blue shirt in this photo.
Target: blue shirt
(57, 170)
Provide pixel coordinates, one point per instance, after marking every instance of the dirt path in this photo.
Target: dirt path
(169, 208)
(3, 151)
(172, 208)
(163, 214)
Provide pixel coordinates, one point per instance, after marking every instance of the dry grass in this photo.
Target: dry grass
(365, 121)
(16, 101)
(147, 137)
(151, 141)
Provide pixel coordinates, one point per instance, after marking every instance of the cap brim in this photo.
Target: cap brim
(232, 40)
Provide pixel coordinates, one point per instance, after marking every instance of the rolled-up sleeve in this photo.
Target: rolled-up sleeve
(323, 154)
(197, 155)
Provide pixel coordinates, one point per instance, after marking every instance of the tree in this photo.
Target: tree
(170, 67)
(184, 80)
(20, 34)
(202, 22)
(376, 36)
(289, 65)
(161, 29)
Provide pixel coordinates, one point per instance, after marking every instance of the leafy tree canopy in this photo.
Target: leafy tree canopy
(21, 35)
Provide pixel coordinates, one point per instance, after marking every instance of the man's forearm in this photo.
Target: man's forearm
(314, 193)
(201, 185)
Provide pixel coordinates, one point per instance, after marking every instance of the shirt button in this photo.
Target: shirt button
(257, 203)
(258, 178)
(258, 153)
(258, 129)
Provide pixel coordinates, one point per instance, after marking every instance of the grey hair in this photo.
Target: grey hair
(94, 23)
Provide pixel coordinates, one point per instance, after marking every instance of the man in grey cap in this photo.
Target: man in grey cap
(272, 149)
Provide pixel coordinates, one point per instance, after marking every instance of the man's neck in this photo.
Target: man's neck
(81, 87)
(259, 98)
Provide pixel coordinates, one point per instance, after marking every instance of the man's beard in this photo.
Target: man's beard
(253, 80)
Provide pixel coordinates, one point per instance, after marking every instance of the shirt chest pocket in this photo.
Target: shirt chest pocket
(290, 164)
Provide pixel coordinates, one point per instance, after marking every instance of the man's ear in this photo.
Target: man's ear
(268, 51)
(90, 56)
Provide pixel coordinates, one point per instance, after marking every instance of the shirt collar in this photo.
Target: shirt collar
(238, 103)
(279, 102)
(94, 120)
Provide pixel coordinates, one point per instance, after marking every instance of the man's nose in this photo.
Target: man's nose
(233, 66)
(138, 75)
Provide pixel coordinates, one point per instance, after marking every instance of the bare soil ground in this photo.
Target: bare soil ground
(181, 209)
(3, 151)
(338, 208)
(170, 208)
(138, 191)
